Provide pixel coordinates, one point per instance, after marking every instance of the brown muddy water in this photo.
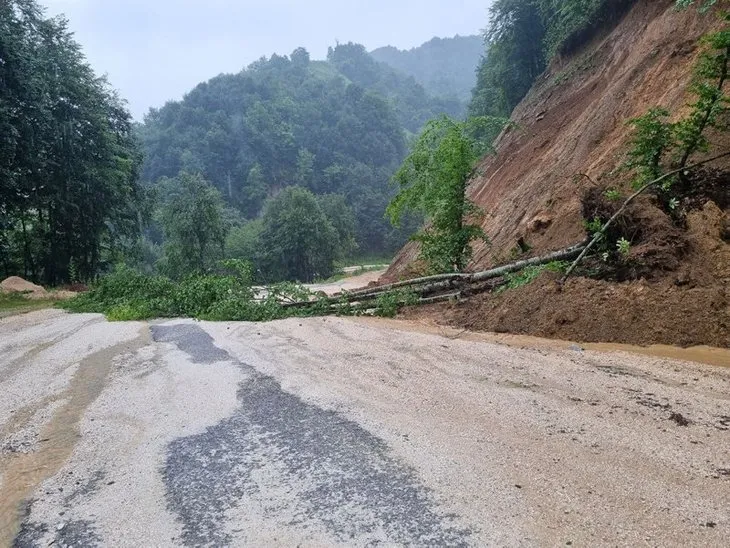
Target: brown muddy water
(699, 354)
(22, 473)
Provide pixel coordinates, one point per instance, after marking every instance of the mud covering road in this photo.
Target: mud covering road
(336, 432)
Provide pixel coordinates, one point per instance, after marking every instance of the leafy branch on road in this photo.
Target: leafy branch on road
(231, 296)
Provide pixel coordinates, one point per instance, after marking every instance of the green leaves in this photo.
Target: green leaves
(298, 241)
(704, 5)
(521, 39)
(653, 136)
(433, 180)
(191, 216)
(284, 122)
(69, 198)
(656, 140)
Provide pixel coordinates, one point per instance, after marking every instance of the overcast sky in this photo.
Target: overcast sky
(156, 50)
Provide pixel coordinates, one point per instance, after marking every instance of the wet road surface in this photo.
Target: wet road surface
(334, 432)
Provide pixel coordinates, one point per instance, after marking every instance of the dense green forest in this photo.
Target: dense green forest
(444, 66)
(204, 178)
(522, 37)
(413, 105)
(336, 128)
(69, 192)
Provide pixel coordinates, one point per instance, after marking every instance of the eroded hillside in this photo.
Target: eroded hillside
(571, 135)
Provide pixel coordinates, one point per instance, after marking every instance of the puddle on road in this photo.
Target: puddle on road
(23, 473)
(699, 354)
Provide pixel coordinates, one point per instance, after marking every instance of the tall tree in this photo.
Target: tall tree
(433, 179)
(298, 241)
(69, 163)
(192, 220)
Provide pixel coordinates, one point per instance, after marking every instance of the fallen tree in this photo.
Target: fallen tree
(440, 287)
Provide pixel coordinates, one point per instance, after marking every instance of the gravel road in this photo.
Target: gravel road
(340, 432)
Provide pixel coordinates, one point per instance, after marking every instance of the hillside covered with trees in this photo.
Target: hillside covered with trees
(445, 67)
(336, 129)
(524, 35)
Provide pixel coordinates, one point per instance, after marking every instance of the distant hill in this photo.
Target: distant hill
(413, 103)
(444, 66)
(289, 120)
(335, 127)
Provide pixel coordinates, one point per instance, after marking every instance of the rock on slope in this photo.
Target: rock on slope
(571, 134)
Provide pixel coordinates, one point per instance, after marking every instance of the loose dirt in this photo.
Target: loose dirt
(570, 139)
(15, 284)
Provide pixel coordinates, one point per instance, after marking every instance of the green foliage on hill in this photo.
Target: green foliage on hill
(659, 146)
(413, 105)
(192, 221)
(69, 198)
(298, 240)
(332, 127)
(522, 37)
(444, 66)
(433, 180)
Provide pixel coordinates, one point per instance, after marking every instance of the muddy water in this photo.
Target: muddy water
(699, 354)
(23, 473)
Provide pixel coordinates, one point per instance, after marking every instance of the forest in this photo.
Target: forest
(88, 189)
(288, 165)
(444, 66)
(523, 36)
(70, 191)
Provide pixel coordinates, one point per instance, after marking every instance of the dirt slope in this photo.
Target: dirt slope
(571, 135)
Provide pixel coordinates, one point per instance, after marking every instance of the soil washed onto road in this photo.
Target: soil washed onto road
(340, 432)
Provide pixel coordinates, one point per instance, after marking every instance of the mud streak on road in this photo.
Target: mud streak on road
(336, 475)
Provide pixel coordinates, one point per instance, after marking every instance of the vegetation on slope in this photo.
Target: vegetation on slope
(433, 180)
(522, 37)
(333, 128)
(444, 66)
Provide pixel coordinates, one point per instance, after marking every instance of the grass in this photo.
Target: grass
(17, 303)
(530, 274)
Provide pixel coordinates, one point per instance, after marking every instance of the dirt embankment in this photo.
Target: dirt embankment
(571, 137)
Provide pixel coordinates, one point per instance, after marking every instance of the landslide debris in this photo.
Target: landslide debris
(552, 173)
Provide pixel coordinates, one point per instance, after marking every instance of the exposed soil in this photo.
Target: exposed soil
(636, 312)
(15, 284)
(550, 174)
(687, 304)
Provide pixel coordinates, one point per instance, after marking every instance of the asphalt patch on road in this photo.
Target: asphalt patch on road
(326, 471)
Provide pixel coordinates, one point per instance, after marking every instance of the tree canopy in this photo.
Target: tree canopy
(69, 198)
(325, 126)
(445, 67)
(193, 224)
(433, 179)
(523, 35)
(300, 241)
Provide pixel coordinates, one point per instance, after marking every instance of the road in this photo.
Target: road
(340, 432)
(350, 283)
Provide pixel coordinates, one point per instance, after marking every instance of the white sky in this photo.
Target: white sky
(156, 50)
